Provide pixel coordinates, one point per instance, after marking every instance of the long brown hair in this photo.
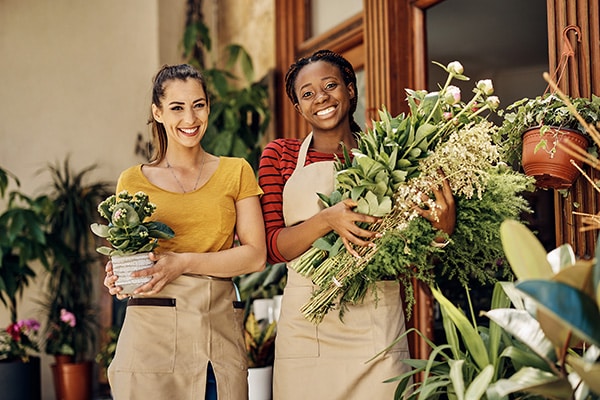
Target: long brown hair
(168, 73)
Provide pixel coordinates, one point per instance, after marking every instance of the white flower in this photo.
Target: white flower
(486, 86)
(455, 68)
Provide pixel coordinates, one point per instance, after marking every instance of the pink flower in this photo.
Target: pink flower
(14, 330)
(67, 317)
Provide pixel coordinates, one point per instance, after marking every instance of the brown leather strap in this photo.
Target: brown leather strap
(151, 301)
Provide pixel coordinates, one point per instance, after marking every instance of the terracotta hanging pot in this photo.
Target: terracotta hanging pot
(550, 165)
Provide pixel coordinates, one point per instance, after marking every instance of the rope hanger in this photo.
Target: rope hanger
(567, 51)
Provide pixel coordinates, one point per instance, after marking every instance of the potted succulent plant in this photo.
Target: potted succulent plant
(131, 234)
(533, 128)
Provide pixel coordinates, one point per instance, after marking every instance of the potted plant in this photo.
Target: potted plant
(131, 235)
(23, 240)
(533, 128)
(69, 303)
(239, 111)
(260, 348)
(19, 370)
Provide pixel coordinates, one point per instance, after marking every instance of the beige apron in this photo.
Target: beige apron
(162, 352)
(328, 361)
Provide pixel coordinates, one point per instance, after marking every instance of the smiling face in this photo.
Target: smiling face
(323, 97)
(183, 111)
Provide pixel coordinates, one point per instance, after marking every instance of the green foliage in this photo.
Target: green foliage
(548, 110)
(546, 346)
(70, 283)
(260, 342)
(262, 285)
(476, 255)
(107, 351)
(23, 240)
(128, 230)
(239, 110)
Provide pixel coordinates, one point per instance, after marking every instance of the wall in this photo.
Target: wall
(76, 77)
(248, 23)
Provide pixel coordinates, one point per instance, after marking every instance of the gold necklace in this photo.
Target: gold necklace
(177, 180)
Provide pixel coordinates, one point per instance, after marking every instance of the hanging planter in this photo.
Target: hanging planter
(543, 159)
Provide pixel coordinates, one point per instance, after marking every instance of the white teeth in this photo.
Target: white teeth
(326, 111)
(188, 131)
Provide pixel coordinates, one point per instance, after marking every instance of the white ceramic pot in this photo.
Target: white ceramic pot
(123, 266)
(260, 381)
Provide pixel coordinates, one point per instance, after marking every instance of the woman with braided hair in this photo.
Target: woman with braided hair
(330, 358)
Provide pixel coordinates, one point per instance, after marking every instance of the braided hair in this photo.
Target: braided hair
(167, 73)
(335, 59)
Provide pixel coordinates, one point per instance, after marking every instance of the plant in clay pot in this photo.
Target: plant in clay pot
(535, 127)
(131, 233)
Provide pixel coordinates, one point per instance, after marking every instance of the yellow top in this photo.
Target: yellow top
(203, 220)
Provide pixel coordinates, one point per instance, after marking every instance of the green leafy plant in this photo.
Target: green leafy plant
(128, 230)
(239, 109)
(397, 161)
(264, 284)
(545, 111)
(530, 350)
(23, 240)
(260, 341)
(108, 349)
(70, 279)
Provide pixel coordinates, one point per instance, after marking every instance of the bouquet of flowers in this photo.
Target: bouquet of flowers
(397, 161)
(19, 339)
(128, 229)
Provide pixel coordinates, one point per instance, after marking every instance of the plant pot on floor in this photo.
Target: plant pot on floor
(123, 266)
(19, 380)
(550, 165)
(260, 382)
(73, 381)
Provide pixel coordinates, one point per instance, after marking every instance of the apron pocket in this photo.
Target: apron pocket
(147, 340)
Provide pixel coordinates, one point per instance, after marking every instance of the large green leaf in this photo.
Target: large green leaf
(482, 381)
(456, 376)
(470, 336)
(525, 253)
(533, 381)
(570, 305)
(524, 327)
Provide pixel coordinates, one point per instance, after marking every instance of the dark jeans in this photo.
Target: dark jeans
(211, 384)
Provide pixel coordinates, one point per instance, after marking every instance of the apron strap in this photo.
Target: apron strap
(303, 151)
